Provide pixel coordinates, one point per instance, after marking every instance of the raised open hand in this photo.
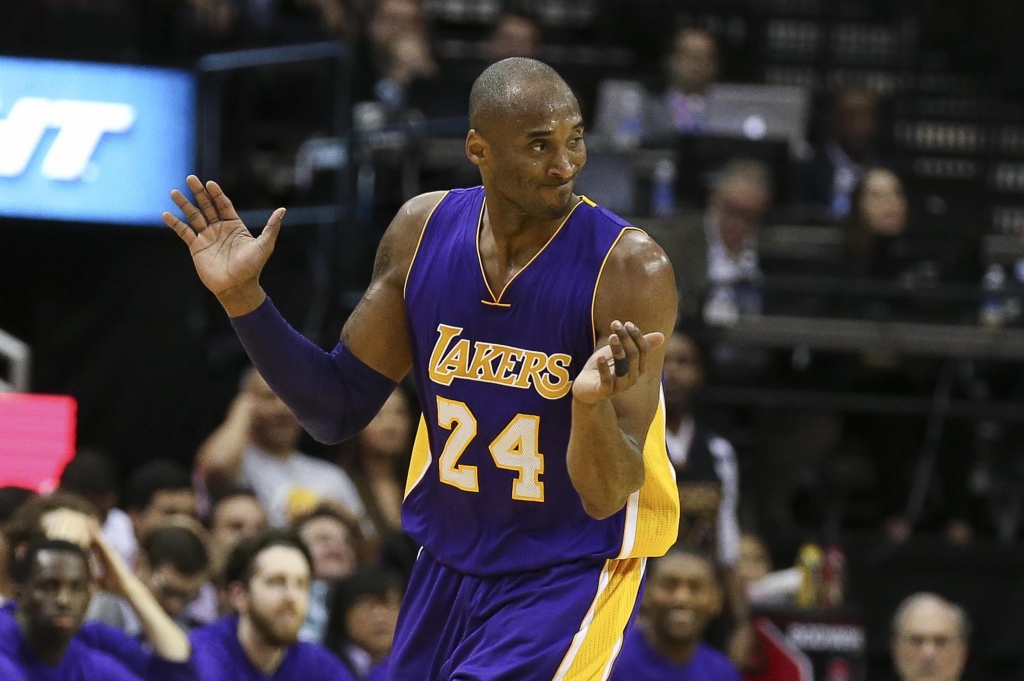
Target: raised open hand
(226, 255)
(614, 368)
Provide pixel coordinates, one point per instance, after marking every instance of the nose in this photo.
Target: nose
(64, 596)
(563, 166)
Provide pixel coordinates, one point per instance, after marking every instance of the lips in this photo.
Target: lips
(62, 622)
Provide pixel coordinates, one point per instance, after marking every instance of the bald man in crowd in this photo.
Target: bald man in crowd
(930, 639)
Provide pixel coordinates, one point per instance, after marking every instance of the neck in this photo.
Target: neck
(49, 649)
(677, 652)
(264, 655)
(377, 467)
(510, 225)
(273, 449)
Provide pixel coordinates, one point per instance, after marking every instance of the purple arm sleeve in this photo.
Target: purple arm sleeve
(334, 395)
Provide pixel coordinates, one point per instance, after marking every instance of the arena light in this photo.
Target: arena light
(37, 438)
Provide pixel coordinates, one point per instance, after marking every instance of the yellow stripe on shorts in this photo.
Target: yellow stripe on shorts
(599, 639)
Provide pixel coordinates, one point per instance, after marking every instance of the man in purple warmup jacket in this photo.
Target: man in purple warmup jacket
(268, 580)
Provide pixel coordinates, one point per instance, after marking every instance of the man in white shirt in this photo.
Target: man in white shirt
(708, 478)
(91, 475)
(255, 448)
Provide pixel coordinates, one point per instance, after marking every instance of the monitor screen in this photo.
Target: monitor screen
(93, 142)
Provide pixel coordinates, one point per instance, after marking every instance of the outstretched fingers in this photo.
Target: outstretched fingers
(192, 214)
(179, 227)
(221, 203)
(269, 235)
(202, 198)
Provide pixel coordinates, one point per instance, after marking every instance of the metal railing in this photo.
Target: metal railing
(19, 360)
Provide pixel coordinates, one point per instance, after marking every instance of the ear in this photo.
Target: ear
(476, 148)
(237, 597)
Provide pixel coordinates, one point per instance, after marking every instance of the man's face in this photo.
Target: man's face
(274, 426)
(371, 622)
(857, 121)
(682, 597)
(56, 596)
(739, 207)
(389, 433)
(172, 589)
(693, 64)
(330, 544)
(928, 645)
(277, 595)
(533, 158)
(683, 372)
(235, 519)
(166, 506)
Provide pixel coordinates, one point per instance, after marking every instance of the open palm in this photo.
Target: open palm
(226, 255)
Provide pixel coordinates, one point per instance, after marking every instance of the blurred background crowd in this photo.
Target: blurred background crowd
(839, 184)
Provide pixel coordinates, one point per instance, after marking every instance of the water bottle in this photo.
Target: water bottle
(809, 562)
(993, 307)
(663, 190)
(630, 129)
(833, 578)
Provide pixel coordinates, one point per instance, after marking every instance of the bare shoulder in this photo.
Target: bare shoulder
(637, 262)
(638, 284)
(398, 245)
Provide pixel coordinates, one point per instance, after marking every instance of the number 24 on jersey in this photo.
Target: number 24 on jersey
(515, 449)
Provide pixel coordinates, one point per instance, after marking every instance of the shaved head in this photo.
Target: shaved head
(514, 86)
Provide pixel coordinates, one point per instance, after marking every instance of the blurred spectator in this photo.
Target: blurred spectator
(27, 521)
(255, 447)
(268, 580)
(236, 515)
(332, 540)
(91, 475)
(156, 493)
(680, 599)
(400, 55)
(877, 220)
(515, 35)
(363, 619)
(174, 565)
(11, 499)
(690, 69)
(825, 183)
(708, 478)
(930, 639)
(380, 461)
(755, 562)
(715, 251)
(45, 631)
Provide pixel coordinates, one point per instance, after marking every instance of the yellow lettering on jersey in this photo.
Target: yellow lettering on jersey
(482, 368)
(456, 362)
(445, 335)
(454, 357)
(558, 369)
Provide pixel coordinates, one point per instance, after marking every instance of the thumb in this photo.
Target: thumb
(269, 235)
(656, 339)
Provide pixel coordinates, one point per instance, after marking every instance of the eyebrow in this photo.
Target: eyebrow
(547, 132)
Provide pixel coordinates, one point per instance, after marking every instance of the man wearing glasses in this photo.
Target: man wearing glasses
(930, 638)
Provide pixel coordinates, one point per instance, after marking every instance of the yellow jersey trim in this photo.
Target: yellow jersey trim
(598, 640)
(483, 273)
(420, 241)
(494, 304)
(421, 458)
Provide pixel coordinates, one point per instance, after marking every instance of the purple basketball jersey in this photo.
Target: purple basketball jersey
(488, 489)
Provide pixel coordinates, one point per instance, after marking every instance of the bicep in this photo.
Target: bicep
(638, 286)
(377, 331)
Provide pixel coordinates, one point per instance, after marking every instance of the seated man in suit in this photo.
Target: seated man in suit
(713, 251)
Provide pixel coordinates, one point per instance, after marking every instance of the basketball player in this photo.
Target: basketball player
(534, 322)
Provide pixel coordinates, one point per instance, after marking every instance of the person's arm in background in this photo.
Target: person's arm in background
(166, 638)
(219, 458)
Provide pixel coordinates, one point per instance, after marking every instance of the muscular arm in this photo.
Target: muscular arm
(605, 457)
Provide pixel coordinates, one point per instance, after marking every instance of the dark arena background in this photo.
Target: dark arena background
(839, 185)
